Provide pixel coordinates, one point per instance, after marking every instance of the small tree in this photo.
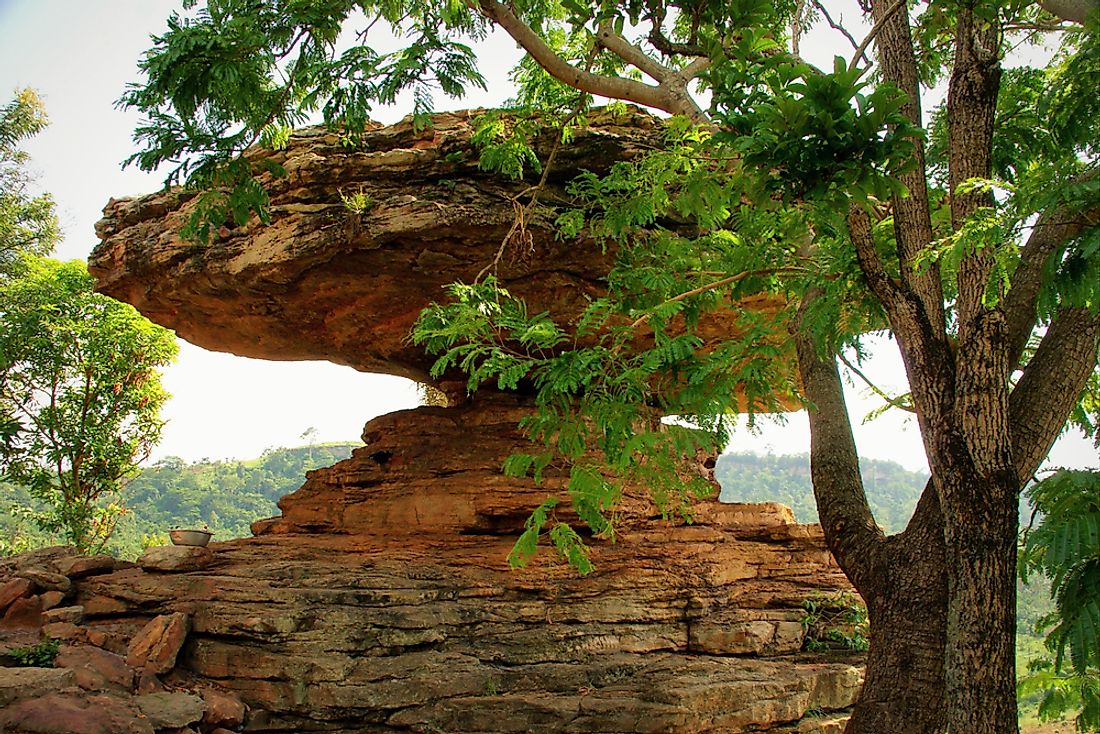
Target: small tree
(27, 223)
(79, 378)
(1065, 548)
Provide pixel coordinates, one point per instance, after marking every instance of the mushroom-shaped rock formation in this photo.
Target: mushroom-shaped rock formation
(361, 239)
(380, 599)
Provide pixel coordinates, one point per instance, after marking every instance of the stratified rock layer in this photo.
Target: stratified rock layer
(381, 600)
(678, 630)
(324, 281)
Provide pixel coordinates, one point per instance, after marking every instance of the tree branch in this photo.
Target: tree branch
(1051, 385)
(712, 286)
(880, 22)
(971, 111)
(1052, 230)
(892, 401)
(631, 54)
(912, 213)
(849, 525)
(1075, 11)
(673, 99)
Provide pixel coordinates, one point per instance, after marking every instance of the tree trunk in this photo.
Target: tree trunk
(901, 578)
(981, 526)
(906, 595)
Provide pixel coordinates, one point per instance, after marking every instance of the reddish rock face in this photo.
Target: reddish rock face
(325, 282)
(381, 599)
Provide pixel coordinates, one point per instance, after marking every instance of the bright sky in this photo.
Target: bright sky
(79, 55)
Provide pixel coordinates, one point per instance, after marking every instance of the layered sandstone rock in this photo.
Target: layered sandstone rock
(327, 281)
(380, 600)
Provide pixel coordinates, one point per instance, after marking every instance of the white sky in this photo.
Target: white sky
(79, 54)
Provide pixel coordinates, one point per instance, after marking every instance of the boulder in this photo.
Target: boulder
(168, 709)
(222, 709)
(14, 589)
(51, 599)
(45, 580)
(24, 612)
(175, 558)
(323, 281)
(81, 566)
(74, 713)
(96, 669)
(156, 646)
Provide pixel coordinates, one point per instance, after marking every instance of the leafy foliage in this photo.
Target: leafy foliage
(1065, 548)
(40, 655)
(79, 375)
(835, 621)
(28, 224)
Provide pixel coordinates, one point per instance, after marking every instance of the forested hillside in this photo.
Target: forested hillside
(225, 496)
(892, 491)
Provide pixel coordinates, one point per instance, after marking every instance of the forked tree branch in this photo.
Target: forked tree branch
(671, 96)
(1051, 385)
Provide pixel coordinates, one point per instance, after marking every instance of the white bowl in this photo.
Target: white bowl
(190, 537)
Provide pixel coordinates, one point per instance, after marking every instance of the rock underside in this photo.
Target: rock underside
(324, 281)
(380, 600)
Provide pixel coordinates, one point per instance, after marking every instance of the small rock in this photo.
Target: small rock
(14, 589)
(158, 643)
(18, 683)
(74, 614)
(96, 669)
(176, 558)
(108, 639)
(51, 599)
(65, 631)
(222, 709)
(81, 566)
(165, 710)
(24, 612)
(148, 682)
(45, 580)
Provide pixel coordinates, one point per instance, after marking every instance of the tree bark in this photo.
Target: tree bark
(903, 689)
(900, 578)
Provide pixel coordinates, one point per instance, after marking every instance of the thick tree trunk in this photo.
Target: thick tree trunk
(901, 578)
(980, 530)
(906, 595)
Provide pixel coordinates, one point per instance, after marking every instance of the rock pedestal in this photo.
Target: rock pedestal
(380, 600)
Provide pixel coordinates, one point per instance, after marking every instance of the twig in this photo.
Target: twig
(838, 27)
(862, 50)
(712, 286)
(895, 402)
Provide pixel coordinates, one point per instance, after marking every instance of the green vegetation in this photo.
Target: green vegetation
(80, 386)
(1064, 548)
(40, 655)
(891, 490)
(28, 224)
(835, 621)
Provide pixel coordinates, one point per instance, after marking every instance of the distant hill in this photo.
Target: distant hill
(892, 490)
(226, 496)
